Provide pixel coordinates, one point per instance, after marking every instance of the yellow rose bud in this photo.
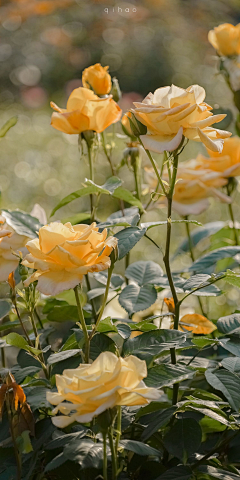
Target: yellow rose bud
(172, 112)
(87, 391)
(11, 280)
(97, 78)
(63, 254)
(225, 39)
(85, 111)
(126, 126)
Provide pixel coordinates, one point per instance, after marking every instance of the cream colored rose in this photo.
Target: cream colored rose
(85, 111)
(172, 112)
(97, 78)
(225, 39)
(87, 391)
(63, 254)
(193, 188)
(10, 242)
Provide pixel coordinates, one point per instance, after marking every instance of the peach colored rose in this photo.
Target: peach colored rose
(85, 111)
(172, 112)
(63, 254)
(97, 78)
(85, 392)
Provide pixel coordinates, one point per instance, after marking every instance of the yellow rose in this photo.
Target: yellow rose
(192, 189)
(225, 39)
(172, 112)
(10, 242)
(227, 162)
(85, 392)
(126, 124)
(97, 78)
(63, 254)
(85, 111)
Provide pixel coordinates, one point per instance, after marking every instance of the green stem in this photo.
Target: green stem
(105, 456)
(230, 209)
(110, 271)
(92, 301)
(106, 153)
(91, 174)
(21, 322)
(15, 447)
(220, 445)
(193, 258)
(113, 453)
(127, 262)
(83, 324)
(119, 428)
(3, 358)
(154, 167)
(41, 357)
(166, 260)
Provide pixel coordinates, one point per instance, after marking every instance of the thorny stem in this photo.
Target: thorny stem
(193, 258)
(110, 271)
(83, 324)
(119, 423)
(92, 301)
(154, 167)
(230, 209)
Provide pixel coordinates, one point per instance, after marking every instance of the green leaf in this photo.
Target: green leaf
(166, 375)
(232, 364)
(63, 313)
(135, 299)
(22, 223)
(180, 472)
(197, 281)
(83, 217)
(154, 421)
(164, 222)
(116, 280)
(101, 343)
(55, 462)
(17, 340)
(9, 124)
(36, 397)
(5, 308)
(89, 189)
(127, 239)
(128, 197)
(106, 325)
(144, 273)
(64, 439)
(210, 259)
(199, 234)
(152, 344)
(232, 278)
(85, 452)
(124, 330)
(202, 342)
(59, 357)
(184, 438)
(95, 292)
(217, 473)
(139, 448)
(229, 324)
(228, 383)
(232, 346)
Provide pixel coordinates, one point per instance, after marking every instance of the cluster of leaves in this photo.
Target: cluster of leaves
(197, 438)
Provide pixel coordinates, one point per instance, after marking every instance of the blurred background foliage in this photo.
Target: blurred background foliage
(45, 45)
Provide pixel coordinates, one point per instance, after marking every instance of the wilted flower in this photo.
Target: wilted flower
(192, 189)
(198, 324)
(225, 39)
(85, 392)
(10, 242)
(97, 78)
(63, 254)
(85, 111)
(172, 112)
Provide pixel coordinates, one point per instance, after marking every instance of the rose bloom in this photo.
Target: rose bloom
(97, 78)
(227, 162)
(192, 189)
(10, 242)
(85, 111)
(225, 39)
(63, 254)
(85, 392)
(172, 112)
